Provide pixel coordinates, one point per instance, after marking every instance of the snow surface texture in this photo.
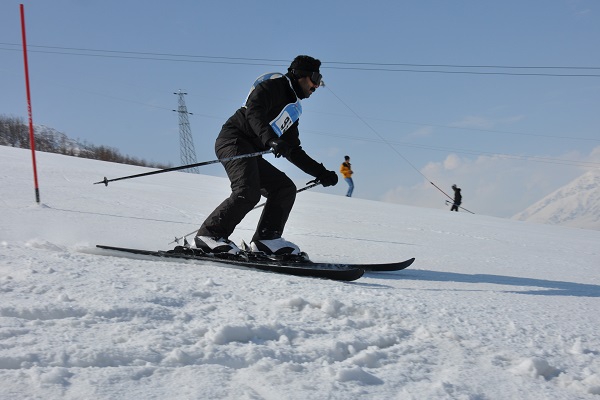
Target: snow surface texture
(576, 204)
(491, 309)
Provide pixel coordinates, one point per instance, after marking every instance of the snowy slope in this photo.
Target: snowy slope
(491, 309)
(576, 204)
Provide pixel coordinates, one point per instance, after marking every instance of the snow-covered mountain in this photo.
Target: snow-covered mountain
(576, 204)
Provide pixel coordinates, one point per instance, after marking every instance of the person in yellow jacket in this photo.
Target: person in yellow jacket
(346, 171)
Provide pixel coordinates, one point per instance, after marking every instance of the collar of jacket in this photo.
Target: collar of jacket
(295, 85)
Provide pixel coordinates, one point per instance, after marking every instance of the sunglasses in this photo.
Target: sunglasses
(315, 77)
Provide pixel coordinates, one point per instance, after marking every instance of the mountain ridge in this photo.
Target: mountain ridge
(576, 204)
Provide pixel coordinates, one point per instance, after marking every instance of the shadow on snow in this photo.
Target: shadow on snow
(551, 288)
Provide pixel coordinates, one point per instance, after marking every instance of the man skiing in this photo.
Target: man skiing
(457, 198)
(268, 119)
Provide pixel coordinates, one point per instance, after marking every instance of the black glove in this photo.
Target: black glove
(280, 147)
(328, 178)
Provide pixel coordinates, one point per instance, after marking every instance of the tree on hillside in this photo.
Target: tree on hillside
(14, 132)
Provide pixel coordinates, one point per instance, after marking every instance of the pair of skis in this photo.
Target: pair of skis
(284, 264)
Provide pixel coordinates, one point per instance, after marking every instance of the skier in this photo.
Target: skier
(346, 171)
(457, 198)
(268, 119)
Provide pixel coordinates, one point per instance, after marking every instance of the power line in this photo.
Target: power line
(347, 65)
(464, 128)
(328, 62)
(464, 66)
(376, 119)
(159, 57)
(385, 67)
(394, 149)
(403, 122)
(375, 132)
(471, 72)
(150, 53)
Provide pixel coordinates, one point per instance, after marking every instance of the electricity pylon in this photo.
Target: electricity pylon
(186, 143)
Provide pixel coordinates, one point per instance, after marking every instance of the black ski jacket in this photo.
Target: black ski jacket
(457, 197)
(251, 122)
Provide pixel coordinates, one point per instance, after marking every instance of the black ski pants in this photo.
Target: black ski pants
(250, 178)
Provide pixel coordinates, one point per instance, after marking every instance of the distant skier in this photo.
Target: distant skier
(457, 198)
(346, 171)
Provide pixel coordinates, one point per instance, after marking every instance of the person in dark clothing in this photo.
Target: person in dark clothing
(268, 120)
(457, 198)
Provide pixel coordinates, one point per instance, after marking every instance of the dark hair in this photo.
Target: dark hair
(305, 63)
(346, 157)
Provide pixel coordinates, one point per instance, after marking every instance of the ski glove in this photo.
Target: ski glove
(328, 178)
(280, 147)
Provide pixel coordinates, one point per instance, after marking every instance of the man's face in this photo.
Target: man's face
(308, 87)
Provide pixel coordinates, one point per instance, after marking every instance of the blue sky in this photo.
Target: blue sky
(417, 92)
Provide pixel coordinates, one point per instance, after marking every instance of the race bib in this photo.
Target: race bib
(286, 118)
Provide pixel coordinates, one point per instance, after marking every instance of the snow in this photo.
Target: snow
(491, 309)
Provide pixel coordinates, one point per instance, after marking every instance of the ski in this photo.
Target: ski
(282, 265)
(388, 267)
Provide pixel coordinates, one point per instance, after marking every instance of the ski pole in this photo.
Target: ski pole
(160, 171)
(451, 202)
(310, 184)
